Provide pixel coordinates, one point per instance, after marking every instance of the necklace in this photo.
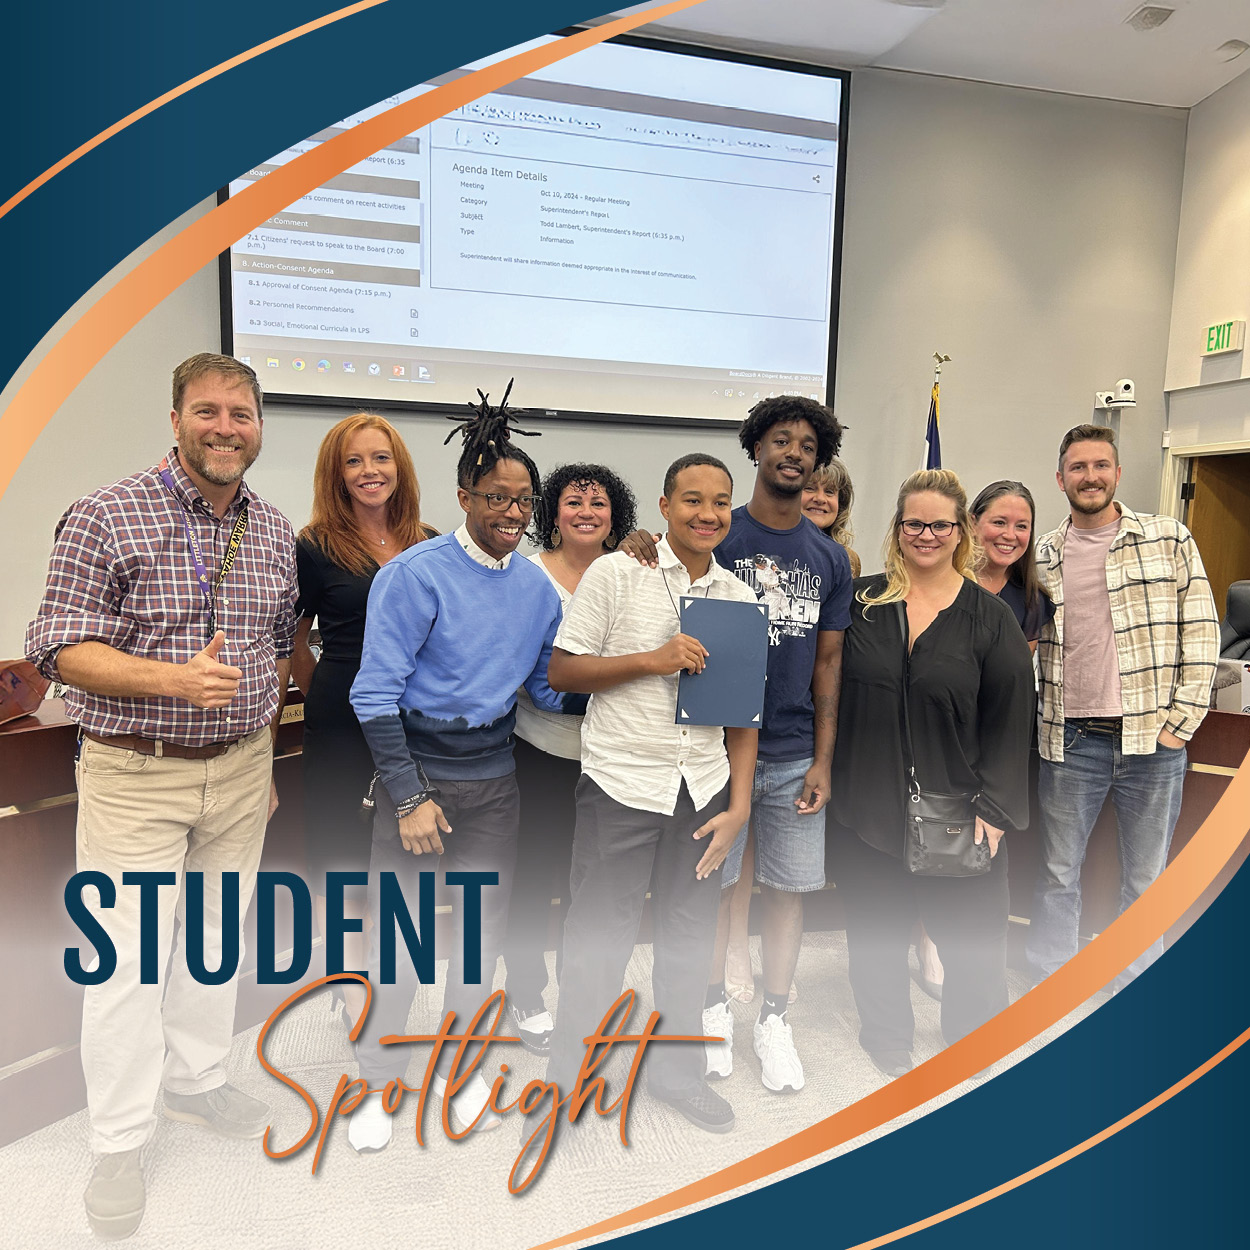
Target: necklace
(664, 575)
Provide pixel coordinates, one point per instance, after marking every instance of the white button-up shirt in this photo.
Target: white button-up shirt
(465, 539)
(632, 746)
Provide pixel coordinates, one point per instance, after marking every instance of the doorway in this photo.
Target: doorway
(1218, 516)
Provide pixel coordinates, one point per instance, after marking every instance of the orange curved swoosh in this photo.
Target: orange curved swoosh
(117, 127)
(67, 362)
(1165, 902)
(1110, 1131)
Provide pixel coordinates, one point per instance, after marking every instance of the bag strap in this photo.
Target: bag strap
(909, 756)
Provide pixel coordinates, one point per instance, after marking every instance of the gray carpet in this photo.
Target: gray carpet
(209, 1194)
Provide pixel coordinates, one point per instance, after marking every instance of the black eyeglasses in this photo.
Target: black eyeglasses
(939, 529)
(501, 503)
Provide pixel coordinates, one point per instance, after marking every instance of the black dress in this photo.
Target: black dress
(336, 760)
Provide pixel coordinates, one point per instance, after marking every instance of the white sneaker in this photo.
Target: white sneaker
(369, 1128)
(469, 1103)
(534, 1030)
(718, 1021)
(780, 1068)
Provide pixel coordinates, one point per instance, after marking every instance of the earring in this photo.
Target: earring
(611, 540)
(555, 538)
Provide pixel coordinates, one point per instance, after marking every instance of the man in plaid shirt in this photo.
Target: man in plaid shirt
(1126, 670)
(169, 613)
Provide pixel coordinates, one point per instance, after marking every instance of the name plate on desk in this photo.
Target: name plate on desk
(730, 690)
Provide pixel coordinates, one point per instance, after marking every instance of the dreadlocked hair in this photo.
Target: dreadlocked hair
(487, 436)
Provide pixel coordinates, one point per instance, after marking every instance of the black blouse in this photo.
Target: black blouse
(337, 599)
(971, 704)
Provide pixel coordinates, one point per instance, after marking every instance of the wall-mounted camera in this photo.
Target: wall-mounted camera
(1124, 396)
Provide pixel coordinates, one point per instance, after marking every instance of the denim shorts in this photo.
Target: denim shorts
(789, 848)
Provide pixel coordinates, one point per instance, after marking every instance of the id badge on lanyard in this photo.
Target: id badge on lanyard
(207, 589)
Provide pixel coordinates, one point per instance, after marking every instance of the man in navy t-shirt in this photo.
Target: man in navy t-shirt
(804, 578)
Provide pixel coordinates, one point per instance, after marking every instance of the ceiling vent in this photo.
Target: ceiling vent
(1149, 17)
(1231, 49)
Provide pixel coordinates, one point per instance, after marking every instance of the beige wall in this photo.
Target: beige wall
(1031, 236)
(1209, 398)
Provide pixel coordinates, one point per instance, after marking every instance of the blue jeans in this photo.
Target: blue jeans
(789, 846)
(1146, 791)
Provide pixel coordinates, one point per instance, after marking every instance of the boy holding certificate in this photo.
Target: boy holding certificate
(805, 581)
(658, 804)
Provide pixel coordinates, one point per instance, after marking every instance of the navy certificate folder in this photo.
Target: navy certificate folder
(730, 690)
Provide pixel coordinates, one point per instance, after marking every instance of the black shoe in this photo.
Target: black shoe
(534, 1026)
(704, 1109)
(226, 1110)
(892, 1063)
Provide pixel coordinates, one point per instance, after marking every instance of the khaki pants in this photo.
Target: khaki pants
(137, 813)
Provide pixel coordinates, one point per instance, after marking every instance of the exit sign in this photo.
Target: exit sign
(1226, 336)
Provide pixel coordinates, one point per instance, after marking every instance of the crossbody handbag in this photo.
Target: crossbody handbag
(939, 830)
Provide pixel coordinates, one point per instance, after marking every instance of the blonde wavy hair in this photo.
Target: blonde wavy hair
(834, 479)
(967, 556)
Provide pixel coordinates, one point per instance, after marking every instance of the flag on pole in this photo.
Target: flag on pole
(932, 437)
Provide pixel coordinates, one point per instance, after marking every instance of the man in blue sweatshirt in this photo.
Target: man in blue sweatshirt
(455, 625)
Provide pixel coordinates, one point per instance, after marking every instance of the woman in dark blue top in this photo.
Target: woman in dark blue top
(1004, 517)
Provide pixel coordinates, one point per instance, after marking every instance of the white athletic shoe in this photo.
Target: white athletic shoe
(780, 1068)
(534, 1030)
(718, 1021)
(369, 1128)
(468, 1104)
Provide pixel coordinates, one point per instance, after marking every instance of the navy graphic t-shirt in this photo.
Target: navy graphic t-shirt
(805, 579)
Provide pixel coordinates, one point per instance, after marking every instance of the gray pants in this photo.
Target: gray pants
(483, 820)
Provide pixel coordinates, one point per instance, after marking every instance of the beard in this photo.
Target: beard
(1088, 505)
(195, 457)
(784, 486)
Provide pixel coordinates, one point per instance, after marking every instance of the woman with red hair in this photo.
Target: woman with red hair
(366, 509)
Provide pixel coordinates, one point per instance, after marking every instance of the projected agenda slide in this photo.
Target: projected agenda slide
(634, 231)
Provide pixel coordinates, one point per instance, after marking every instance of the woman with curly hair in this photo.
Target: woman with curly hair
(827, 500)
(929, 648)
(587, 510)
(366, 509)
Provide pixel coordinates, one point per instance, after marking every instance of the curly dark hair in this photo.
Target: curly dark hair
(487, 436)
(620, 498)
(782, 409)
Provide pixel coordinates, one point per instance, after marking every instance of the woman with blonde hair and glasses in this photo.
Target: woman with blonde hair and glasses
(366, 508)
(1004, 518)
(931, 650)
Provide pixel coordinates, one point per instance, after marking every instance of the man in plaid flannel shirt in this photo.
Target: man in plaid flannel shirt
(1126, 670)
(169, 613)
